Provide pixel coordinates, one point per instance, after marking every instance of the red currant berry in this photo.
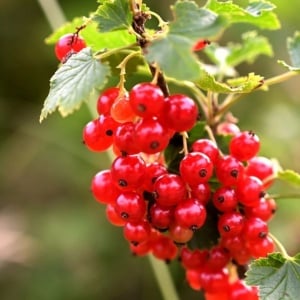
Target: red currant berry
(124, 138)
(103, 187)
(180, 112)
(217, 296)
(201, 192)
(240, 291)
(180, 235)
(227, 128)
(128, 172)
(254, 229)
(68, 43)
(195, 168)
(164, 248)
(261, 247)
(121, 110)
(262, 168)
(130, 206)
(106, 100)
(169, 189)
(230, 224)
(212, 280)
(193, 259)
(137, 232)
(190, 214)
(208, 147)
(218, 258)
(264, 210)
(229, 170)
(153, 171)
(244, 145)
(140, 249)
(146, 100)
(113, 217)
(224, 199)
(192, 277)
(160, 217)
(232, 243)
(150, 136)
(249, 190)
(200, 45)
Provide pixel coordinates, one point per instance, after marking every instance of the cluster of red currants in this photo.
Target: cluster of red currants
(161, 211)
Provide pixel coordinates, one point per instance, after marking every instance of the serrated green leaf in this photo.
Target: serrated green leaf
(173, 52)
(293, 45)
(289, 176)
(246, 84)
(174, 56)
(252, 46)
(74, 82)
(258, 13)
(113, 15)
(277, 277)
(194, 22)
(93, 38)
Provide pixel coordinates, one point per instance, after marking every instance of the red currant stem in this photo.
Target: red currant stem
(280, 247)
(279, 78)
(233, 98)
(161, 23)
(210, 133)
(156, 74)
(185, 137)
(103, 55)
(163, 278)
(233, 275)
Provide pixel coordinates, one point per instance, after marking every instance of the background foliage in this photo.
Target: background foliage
(54, 240)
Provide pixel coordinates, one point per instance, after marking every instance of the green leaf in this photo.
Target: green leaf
(194, 22)
(293, 45)
(277, 277)
(197, 132)
(174, 56)
(74, 82)
(289, 176)
(93, 38)
(173, 52)
(251, 47)
(258, 13)
(246, 84)
(113, 15)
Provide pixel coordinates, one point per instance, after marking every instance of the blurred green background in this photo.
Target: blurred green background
(55, 242)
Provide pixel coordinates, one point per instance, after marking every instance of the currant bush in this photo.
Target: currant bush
(186, 182)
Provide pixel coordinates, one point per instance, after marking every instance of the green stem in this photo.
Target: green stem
(279, 246)
(286, 196)
(233, 98)
(163, 278)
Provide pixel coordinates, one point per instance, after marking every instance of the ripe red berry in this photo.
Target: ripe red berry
(164, 248)
(121, 110)
(150, 136)
(224, 199)
(160, 217)
(180, 112)
(130, 206)
(103, 187)
(240, 291)
(261, 247)
(229, 170)
(137, 232)
(113, 217)
(146, 100)
(124, 138)
(195, 168)
(244, 146)
(264, 210)
(262, 168)
(128, 172)
(227, 128)
(249, 190)
(207, 147)
(169, 189)
(153, 171)
(68, 43)
(190, 214)
(201, 192)
(218, 258)
(193, 259)
(212, 280)
(230, 224)
(200, 45)
(254, 229)
(106, 100)
(179, 234)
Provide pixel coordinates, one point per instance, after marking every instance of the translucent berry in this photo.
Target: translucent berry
(106, 100)
(195, 168)
(146, 99)
(137, 232)
(224, 199)
(180, 112)
(179, 234)
(68, 43)
(208, 147)
(230, 224)
(121, 110)
(244, 146)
